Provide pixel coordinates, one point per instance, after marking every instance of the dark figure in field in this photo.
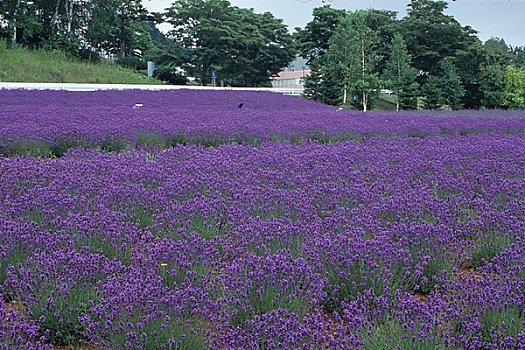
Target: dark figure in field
(240, 105)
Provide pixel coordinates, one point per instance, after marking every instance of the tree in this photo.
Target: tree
(450, 82)
(498, 48)
(313, 40)
(352, 55)
(263, 46)
(325, 82)
(444, 90)
(385, 24)
(469, 63)
(399, 74)
(119, 26)
(431, 35)
(432, 93)
(493, 82)
(514, 93)
(245, 48)
(518, 56)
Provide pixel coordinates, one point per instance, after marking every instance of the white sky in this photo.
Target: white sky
(498, 18)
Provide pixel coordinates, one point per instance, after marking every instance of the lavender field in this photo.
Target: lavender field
(49, 123)
(190, 223)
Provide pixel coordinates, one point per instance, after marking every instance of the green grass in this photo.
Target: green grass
(29, 66)
(505, 323)
(386, 102)
(391, 335)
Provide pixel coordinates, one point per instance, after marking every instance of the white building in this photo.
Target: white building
(292, 76)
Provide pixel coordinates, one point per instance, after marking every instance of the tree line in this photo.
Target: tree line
(427, 58)
(237, 45)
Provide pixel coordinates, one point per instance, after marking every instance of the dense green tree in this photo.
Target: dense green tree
(399, 75)
(349, 66)
(119, 26)
(263, 46)
(76, 26)
(385, 24)
(245, 48)
(493, 81)
(469, 62)
(514, 93)
(352, 50)
(498, 49)
(313, 40)
(431, 35)
(450, 83)
(444, 90)
(325, 83)
(518, 56)
(432, 93)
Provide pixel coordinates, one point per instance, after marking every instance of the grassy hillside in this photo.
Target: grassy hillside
(22, 65)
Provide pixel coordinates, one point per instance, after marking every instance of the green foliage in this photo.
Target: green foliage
(58, 313)
(346, 283)
(488, 245)
(23, 65)
(100, 243)
(429, 264)
(498, 49)
(132, 62)
(469, 63)
(325, 138)
(15, 255)
(450, 84)
(433, 94)
(353, 54)
(391, 335)
(518, 56)
(432, 35)
(507, 323)
(313, 40)
(400, 76)
(243, 47)
(143, 217)
(157, 333)
(151, 139)
(77, 27)
(493, 82)
(266, 297)
(443, 90)
(210, 226)
(325, 82)
(514, 93)
(114, 144)
(177, 277)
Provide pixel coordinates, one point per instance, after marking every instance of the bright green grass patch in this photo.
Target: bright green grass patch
(22, 65)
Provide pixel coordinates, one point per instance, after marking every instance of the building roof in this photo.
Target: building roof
(291, 75)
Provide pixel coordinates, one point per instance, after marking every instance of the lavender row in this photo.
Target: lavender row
(51, 122)
(398, 243)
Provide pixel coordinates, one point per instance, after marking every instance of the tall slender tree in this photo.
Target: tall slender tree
(492, 82)
(353, 50)
(400, 76)
(451, 86)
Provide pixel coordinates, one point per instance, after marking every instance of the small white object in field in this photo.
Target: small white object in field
(339, 109)
(138, 105)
